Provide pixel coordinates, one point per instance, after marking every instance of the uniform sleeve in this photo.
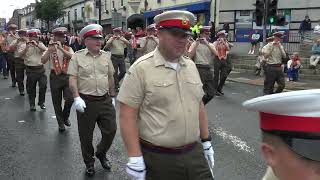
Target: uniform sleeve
(73, 66)
(71, 50)
(21, 48)
(110, 68)
(132, 89)
(41, 45)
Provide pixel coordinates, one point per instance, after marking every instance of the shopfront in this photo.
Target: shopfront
(200, 10)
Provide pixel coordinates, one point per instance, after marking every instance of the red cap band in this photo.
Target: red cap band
(183, 24)
(91, 33)
(289, 123)
(33, 34)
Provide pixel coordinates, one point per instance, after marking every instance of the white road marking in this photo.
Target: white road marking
(22, 121)
(236, 141)
(7, 98)
(53, 117)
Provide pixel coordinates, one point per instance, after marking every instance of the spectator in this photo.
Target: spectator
(317, 28)
(226, 27)
(305, 26)
(314, 59)
(255, 39)
(213, 32)
(294, 65)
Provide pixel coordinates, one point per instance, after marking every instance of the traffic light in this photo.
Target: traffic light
(259, 12)
(272, 12)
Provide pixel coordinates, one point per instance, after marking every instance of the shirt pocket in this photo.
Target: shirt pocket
(163, 92)
(84, 69)
(193, 87)
(102, 68)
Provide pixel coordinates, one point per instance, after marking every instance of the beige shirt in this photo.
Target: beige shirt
(203, 54)
(16, 52)
(92, 73)
(33, 54)
(10, 38)
(60, 56)
(269, 175)
(168, 100)
(276, 53)
(117, 46)
(151, 46)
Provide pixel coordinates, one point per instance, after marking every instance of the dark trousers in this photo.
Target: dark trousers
(221, 71)
(103, 113)
(190, 165)
(3, 63)
(272, 75)
(119, 68)
(59, 86)
(11, 67)
(36, 75)
(206, 76)
(20, 71)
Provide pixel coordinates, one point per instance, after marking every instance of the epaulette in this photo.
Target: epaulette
(79, 51)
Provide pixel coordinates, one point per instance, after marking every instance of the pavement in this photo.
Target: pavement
(33, 149)
(250, 78)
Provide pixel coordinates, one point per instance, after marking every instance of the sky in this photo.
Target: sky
(7, 7)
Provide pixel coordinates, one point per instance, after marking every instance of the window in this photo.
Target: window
(75, 14)
(82, 12)
(158, 1)
(113, 4)
(121, 2)
(105, 4)
(244, 13)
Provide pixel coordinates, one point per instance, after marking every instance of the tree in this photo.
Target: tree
(49, 10)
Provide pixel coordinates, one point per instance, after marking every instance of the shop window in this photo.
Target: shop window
(244, 13)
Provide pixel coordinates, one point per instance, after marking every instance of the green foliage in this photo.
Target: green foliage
(49, 10)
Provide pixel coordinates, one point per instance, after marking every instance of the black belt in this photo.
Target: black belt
(205, 66)
(118, 56)
(54, 72)
(35, 67)
(94, 98)
(166, 150)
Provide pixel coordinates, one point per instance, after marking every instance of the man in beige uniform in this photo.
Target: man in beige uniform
(31, 52)
(290, 135)
(59, 55)
(12, 35)
(273, 53)
(162, 116)
(203, 53)
(117, 43)
(150, 42)
(19, 62)
(91, 83)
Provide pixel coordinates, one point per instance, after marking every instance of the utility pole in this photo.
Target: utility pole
(266, 2)
(98, 5)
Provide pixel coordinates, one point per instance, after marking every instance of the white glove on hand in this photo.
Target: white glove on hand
(79, 104)
(136, 168)
(114, 102)
(209, 154)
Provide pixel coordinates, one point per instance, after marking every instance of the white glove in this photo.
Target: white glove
(209, 154)
(136, 168)
(114, 102)
(79, 104)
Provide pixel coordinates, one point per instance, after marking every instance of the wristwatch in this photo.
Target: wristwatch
(206, 139)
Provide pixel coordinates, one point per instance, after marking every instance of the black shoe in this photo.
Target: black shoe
(90, 171)
(105, 163)
(21, 93)
(67, 122)
(5, 77)
(33, 108)
(13, 85)
(61, 128)
(42, 106)
(218, 93)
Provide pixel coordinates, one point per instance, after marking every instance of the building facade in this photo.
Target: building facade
(203, 9)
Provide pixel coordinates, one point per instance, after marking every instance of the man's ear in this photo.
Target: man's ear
(269, 154)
